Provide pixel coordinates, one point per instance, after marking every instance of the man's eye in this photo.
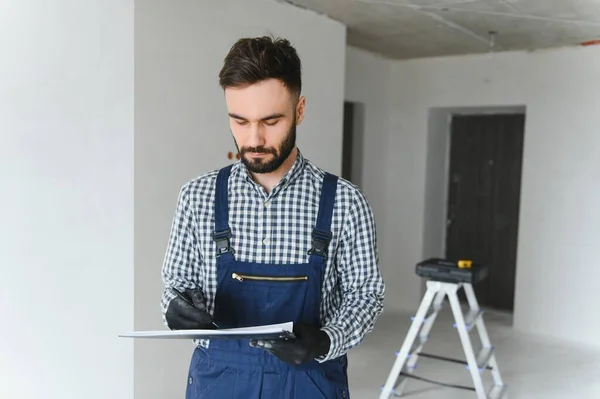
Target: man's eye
(242, 123)
(271, 123)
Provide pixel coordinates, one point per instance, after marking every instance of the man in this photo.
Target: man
(271, 239)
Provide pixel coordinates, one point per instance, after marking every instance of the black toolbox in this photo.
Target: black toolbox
(448, 271)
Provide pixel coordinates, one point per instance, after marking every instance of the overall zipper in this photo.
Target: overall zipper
(242, 277)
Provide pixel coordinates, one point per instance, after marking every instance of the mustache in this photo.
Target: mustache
(260, 150)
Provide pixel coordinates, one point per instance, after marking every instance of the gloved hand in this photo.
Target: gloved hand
(189, 312)
(310, 343)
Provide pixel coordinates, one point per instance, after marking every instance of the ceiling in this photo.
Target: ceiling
(402, 29)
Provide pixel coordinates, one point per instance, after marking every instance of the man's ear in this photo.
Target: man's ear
(300, 106)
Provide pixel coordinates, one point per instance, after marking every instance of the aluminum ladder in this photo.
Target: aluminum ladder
(406, 359)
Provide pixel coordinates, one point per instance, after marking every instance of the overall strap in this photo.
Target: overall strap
(222, 232)
(321, 234)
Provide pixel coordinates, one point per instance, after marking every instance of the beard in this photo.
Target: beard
(279, 154)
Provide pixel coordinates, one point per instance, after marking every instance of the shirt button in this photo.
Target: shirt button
(265, 240)
(190, 380)
(266, 204)
(343, 394)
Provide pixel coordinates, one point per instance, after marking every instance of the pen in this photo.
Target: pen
(183, 298)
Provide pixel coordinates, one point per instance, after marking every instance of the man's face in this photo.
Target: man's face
(263, 119)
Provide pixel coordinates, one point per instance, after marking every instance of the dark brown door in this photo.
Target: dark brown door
(483, 200)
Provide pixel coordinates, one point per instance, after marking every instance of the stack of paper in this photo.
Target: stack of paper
(270, 331)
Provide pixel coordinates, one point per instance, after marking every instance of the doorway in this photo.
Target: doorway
(483, 197)
(347, 140)
(352, 142)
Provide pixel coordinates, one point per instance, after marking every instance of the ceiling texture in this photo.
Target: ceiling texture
(403, 29)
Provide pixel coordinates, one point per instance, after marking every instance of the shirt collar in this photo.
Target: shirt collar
(296, 169)
(291, 175)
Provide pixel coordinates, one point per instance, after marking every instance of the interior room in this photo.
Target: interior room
(471, 126)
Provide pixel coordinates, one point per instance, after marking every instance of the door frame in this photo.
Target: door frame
(437, 169)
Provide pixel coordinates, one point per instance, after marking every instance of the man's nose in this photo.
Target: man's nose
(256, 135)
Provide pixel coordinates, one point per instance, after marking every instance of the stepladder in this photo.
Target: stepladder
(445, 282)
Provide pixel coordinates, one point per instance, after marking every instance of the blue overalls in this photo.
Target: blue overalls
(255, 294)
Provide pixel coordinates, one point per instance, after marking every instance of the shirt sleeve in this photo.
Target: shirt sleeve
(360, 281)
(181, 265)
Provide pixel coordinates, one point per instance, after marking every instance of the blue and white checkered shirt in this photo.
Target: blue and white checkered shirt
(276, 228)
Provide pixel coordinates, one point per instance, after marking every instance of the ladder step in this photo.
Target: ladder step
(471, 318)
(414, 351)
(482, 359)
(393, 392)
(497, 392)
(448, 359)
(397, 389)
(419, 342)
(435, 310)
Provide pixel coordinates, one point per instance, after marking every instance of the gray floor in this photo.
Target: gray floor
(532, 367)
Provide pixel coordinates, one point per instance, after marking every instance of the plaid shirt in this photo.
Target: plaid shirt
(276, 228)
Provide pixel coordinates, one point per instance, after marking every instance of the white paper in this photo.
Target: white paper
(193, 334)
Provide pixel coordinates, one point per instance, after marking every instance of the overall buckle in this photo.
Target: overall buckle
(222, 239)
(320, 243)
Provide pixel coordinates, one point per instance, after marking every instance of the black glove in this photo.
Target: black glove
(310, 343)
(188, 311)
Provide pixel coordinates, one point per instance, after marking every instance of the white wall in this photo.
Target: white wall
(367, 77)
(556, 292)
(66, 199)
(367, 83)
(182, 131)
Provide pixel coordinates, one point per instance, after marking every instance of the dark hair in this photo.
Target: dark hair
(251, 60)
